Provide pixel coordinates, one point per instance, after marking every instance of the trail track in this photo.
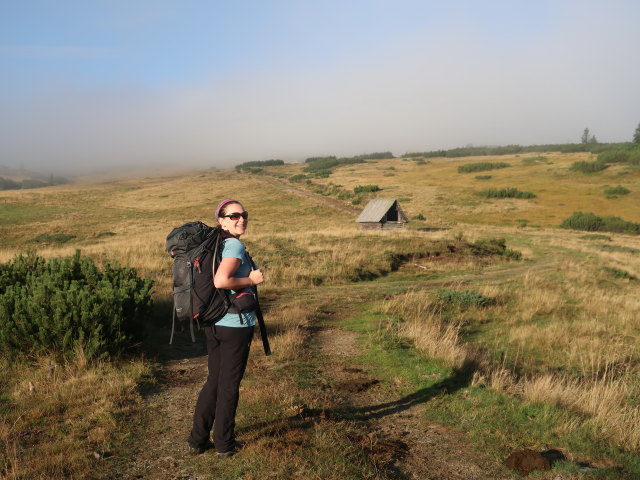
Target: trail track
(287, 187)
(395, 433)
(398, 436)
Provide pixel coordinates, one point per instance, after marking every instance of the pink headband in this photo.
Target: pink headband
(223, 203)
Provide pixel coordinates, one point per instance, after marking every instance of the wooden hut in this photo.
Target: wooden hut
(383, 214)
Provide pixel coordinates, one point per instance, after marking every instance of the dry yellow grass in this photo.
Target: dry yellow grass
(572, 318)
(424, 325)
(583, 356)
(444, 196)
(62, 413)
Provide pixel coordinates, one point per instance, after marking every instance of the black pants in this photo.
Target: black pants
(228, 349)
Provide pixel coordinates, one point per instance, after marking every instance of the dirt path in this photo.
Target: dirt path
(160, 450)
(287, 187)
(398, 437)
(396, 434)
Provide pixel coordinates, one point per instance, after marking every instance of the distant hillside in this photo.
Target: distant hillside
(20, 178)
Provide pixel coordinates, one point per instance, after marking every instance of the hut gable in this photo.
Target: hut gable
(382, 214)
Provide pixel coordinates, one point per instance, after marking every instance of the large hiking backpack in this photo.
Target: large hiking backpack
(194, 248)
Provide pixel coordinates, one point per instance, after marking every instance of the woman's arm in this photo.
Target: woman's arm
(224, 275)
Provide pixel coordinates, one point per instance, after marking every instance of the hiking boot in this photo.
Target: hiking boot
(237, 446)
(200, 448)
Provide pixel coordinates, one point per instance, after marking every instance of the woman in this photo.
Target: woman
(228, 340)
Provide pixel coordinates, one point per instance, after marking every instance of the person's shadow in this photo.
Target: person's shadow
(307, 417)
(460, 378)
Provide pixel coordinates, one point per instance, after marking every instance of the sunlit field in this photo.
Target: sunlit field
(556, 323)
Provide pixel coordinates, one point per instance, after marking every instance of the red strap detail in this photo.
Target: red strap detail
(196, 315)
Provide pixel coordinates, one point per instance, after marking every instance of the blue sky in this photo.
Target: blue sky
(91, 83)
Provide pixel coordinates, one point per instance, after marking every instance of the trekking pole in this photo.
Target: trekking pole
(261, 324)
(263, 328)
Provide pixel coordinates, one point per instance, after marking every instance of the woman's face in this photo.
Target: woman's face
(235, 219)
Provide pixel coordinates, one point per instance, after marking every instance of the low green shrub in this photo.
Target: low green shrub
(583, 221)
(366, 189)
(53, 238)
(419, 216)
(322, 173)
(617, 190)
(483, 177)
(327, 163)
(315, 164)
(618, 273)
(58, 306)
(506, 193)
(251, 166)
(588, 167)
(463, 298)
(491, 246)
(634, 157)
(614, 156)
(591, 222)
(32, 183)
(481, 166)
(297, 178)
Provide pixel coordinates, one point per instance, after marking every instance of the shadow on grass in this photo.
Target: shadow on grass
(294, 432)
(460, 379)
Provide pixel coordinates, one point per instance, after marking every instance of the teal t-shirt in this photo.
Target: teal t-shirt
(234, 248)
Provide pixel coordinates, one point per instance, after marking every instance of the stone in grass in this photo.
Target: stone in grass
(526, 461)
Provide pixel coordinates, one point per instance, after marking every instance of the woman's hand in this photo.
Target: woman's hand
(256, 277)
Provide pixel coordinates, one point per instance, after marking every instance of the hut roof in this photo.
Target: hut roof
(377, 209)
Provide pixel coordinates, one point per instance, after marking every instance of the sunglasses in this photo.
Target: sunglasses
(237, 215)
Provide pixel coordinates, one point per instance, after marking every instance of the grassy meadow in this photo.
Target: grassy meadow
(534, 327)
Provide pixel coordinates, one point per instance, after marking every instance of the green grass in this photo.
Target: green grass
(596, 236)
(18, 214)
(496, 422)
